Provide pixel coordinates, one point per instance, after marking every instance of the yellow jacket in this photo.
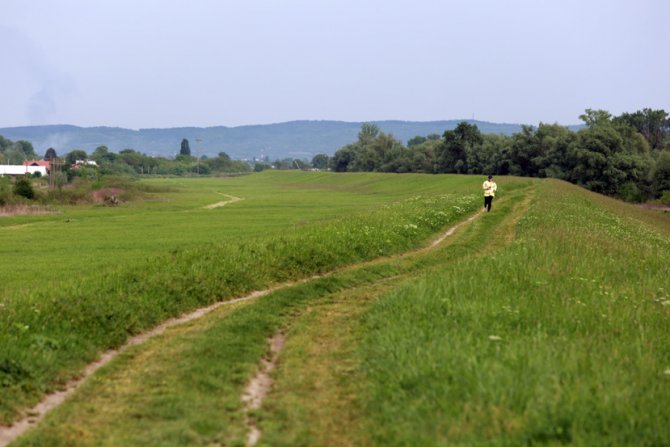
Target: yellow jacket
(489, 188)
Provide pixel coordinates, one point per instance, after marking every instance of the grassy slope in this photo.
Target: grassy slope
(145, 396)
(560, 337)
(38, 251)
(47, 335)
(543, 322)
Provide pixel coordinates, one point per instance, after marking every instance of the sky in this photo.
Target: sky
(174, 63)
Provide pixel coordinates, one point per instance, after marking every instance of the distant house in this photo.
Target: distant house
(19, 170)
(82, 163)
(45, 163)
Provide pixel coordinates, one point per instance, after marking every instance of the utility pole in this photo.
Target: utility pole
(197, 154)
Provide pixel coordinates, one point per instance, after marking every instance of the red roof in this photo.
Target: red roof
(45, 163)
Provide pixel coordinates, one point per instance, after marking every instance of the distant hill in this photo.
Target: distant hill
(296, 139)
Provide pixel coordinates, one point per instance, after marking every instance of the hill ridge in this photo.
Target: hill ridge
(296, 139)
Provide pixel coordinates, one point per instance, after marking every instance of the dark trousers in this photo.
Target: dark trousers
(488, 200)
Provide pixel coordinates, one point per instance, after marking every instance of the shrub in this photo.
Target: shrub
(24, 188)
(665, 197)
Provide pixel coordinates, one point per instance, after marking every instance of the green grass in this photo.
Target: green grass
(559, 338)
(146, 398)
(543, 322)
(39, 251)
(49, 332)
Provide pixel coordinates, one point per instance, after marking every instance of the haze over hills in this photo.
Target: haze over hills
(295, 139)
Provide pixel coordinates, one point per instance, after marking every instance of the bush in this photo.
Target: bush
(630, 192)
(5, 191)
(665, 197)
(24, 188)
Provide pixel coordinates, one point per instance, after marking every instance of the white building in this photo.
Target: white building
(18, 170)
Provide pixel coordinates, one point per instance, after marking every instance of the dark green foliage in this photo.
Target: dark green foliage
(75, 155)
(320, 161)
(661, 173)
(619, 156)
(24, 188)
(6, 196)
(654, 125)
(185, 148)
(50, 154)
(26, 147)
(457, 147)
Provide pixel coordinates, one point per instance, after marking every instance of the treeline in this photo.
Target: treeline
(627, 156)
(15, 152)
(132, 162)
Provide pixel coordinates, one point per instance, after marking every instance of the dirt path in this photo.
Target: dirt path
(231, 199)
(258, 387)
(51, 401)
(255, 391)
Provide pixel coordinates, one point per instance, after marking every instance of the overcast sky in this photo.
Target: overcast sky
(169, 63)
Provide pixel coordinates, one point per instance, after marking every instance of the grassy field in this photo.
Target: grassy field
(288, 226)
(80, 240)
(543, 322)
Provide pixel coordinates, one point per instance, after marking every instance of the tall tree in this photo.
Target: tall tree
(320, 161)
(185, 148)
(654, 125)
(75, 155)
(50, 154)
(596, 117)
(452, 155)
(26, 147)
(368, 132)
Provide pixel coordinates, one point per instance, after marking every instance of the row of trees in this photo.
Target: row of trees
(127, 161)
(626, 156)
(15, 152)
(132, 162)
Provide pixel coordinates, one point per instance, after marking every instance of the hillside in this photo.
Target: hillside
(296, 139)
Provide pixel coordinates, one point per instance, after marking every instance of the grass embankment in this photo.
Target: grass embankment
(47, 336)
(559, 338)
(146, 398)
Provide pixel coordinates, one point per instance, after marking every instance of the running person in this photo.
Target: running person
(490, 189)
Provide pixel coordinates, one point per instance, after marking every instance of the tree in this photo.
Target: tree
(222, 163)
(24, 188)
(417, 140)
(50, 154)
(26, 147)
(75, 155)
(592, 152)
(368, 132)
(102, 154)
(452, 154)
(185, 148)
(661, 174)
(654, 125)
(342, 158)
(320, 161)
(596, 117)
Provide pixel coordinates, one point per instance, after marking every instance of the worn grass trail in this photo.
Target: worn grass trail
(145, 398)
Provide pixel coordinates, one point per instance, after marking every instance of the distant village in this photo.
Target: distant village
(39, 168)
